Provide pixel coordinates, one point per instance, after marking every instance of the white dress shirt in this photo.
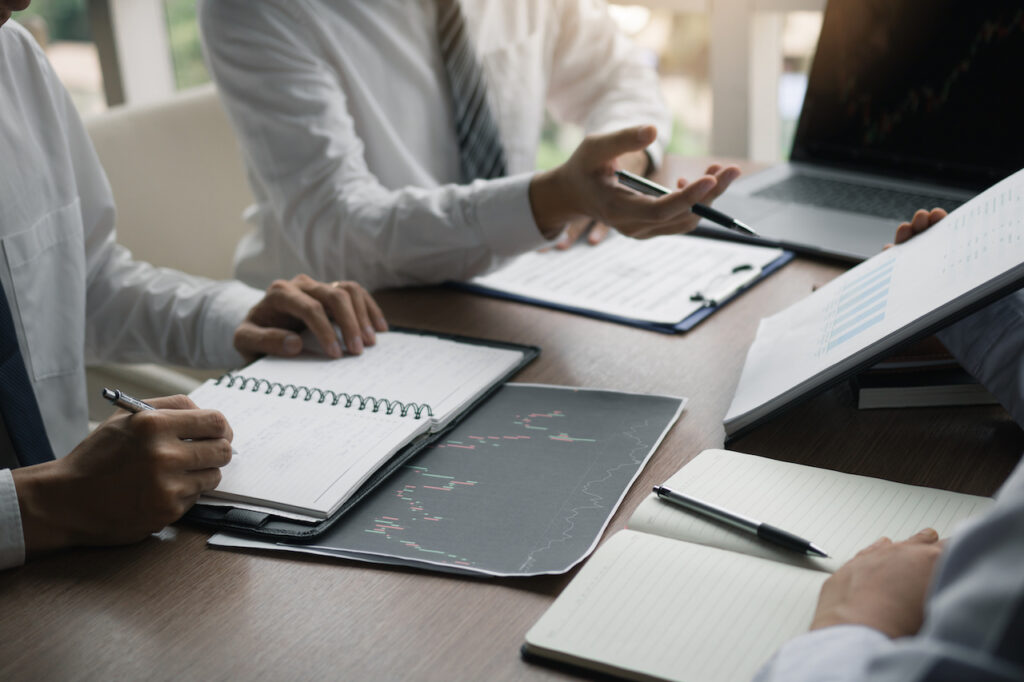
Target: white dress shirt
(344, 116)
(75, 295)
(974, 616)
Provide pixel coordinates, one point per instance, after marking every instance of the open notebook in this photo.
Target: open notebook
(679, 597)
(310, 431)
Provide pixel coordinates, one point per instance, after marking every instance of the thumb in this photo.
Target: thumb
(253, 340)
(605, 147)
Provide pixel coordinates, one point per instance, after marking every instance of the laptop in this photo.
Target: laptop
(910, 104)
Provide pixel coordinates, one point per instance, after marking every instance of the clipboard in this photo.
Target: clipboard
(723, 289)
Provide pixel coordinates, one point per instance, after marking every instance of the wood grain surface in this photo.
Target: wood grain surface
(170, 608)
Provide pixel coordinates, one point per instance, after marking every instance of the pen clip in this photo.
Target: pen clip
(724, 285)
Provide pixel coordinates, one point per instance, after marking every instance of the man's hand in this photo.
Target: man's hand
(132, 476)
(883, 587)
(302, 302)
(595, 230)
(585, 187)
(921, 221)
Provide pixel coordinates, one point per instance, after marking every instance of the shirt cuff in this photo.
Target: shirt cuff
(504, 217)
(225, 312)
(12, 540)
(837, 653)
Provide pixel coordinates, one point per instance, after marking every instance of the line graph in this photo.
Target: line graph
(878, 122)
(522, 486)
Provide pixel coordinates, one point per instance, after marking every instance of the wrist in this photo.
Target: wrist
(41, 498)
(552, 202)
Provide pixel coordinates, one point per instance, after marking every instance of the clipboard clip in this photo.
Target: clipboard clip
(726, 284)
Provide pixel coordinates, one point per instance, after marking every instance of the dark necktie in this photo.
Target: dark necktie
(480, 150)
(18, 405)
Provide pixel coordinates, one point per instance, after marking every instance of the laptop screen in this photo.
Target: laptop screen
(919, 89)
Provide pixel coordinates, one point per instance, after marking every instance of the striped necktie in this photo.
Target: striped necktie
(480, 150)
(18, 405)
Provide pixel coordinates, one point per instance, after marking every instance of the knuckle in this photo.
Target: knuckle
(311, 306)
(149, 424)
(217, 422)
(222, 452)
(215, 479)
(279, 286)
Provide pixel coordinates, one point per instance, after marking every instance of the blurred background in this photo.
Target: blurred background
(751, 56)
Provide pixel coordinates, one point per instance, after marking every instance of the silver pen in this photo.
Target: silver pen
(768, 533)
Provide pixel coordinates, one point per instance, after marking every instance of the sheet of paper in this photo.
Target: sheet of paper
(305, 457)
(677, 611)
(979, 248)
(841, 513)
(225, 541)
(408, 368)
(649, 280)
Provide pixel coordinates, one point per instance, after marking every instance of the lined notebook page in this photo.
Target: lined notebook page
(842, 513)
(406, 367)
(645, 605)
(649, 280)
(301, 456)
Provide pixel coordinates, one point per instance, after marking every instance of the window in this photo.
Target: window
(186, 53)
(62, 29)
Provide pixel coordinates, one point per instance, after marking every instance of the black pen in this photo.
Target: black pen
(653, 189)
(771, 534)
(134, 405)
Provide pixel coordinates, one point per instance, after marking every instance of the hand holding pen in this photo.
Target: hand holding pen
(586, 185)
(134, 405)
(133, 475)
(653, 189)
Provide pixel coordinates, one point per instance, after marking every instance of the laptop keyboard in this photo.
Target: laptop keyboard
(852, 197)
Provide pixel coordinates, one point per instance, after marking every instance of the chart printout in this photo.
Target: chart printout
(979, 247)
(523, 486)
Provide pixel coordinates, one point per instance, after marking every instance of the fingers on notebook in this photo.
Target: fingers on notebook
(320, 307)
(921, 221)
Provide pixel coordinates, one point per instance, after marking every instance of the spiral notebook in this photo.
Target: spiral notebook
(313, 434)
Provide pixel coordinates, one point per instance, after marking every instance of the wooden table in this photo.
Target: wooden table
(169, 608)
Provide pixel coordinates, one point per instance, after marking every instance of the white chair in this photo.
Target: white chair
(180, 189)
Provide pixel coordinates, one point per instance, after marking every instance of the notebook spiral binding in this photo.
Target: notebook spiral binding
(254, 385)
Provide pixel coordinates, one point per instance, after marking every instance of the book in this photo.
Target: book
(924, 387)
(923, 374)
(972, 257)
(523, 486)
(666, 284)
(311, 431)
(679, 597)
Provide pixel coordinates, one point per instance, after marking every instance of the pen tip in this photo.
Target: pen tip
(818, 551)
(746, 228)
